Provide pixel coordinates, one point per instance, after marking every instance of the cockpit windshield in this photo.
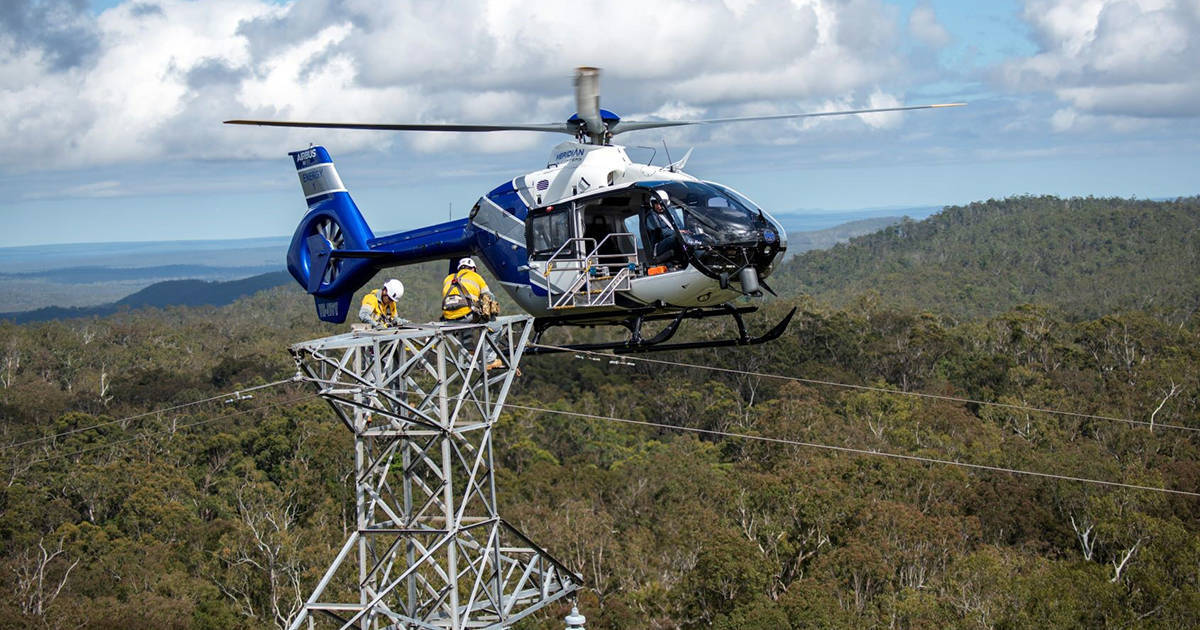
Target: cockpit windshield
(738, 196)
(711, 214)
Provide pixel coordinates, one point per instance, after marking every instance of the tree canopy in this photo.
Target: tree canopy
(126, 505)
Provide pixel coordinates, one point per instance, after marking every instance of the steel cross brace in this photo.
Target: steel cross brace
(429, 549)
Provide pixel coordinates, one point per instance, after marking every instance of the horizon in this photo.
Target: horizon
(285, 237)
(875, 212)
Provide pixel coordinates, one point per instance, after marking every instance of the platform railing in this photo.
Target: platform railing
(594, 278)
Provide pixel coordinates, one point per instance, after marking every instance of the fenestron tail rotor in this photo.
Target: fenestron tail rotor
(332, 233)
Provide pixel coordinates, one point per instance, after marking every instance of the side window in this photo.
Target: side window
(548, 232)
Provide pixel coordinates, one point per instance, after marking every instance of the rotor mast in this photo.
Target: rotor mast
(587, 106)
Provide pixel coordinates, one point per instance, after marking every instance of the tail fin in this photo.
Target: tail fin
(333, 309)
(333, 222)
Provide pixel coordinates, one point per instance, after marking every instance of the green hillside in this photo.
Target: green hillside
(1085, 256)
(127, 504)
(800, 242)
(166, 293)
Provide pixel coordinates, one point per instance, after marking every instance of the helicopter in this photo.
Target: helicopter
(591, 239)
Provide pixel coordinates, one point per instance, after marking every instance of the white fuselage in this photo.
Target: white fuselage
(577, 171)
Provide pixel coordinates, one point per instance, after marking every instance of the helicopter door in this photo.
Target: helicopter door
(552, 232)
(605, 232)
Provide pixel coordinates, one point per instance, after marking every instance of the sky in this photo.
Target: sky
(110, 112)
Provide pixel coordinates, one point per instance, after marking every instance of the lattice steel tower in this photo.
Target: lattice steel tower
(429, 549)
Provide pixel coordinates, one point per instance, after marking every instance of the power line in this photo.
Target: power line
(1086, 416)
(198, 423)
(174, 429)
(859, 451)
(236, 394)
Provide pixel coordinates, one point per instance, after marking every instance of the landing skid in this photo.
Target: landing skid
(634, 319)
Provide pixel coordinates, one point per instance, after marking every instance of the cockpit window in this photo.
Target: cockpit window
(733, 194)
(709, 214)
(709, 201)
(548, 232)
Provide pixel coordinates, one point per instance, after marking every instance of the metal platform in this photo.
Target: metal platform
(429, 549)
(591, 280)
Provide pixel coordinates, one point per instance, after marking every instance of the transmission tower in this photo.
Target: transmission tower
(429, 549)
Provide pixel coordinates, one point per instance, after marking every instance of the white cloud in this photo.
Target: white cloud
(677, 110)
(1064, 119)
(884, 120)
(159, 80)
(925, 28)
(105, 188)
(1115, 58)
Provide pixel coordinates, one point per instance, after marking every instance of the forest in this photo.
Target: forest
(1037, 335)
(1088, 257)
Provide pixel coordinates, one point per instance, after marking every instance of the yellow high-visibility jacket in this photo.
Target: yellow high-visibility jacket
(373, 311)
(471, 282)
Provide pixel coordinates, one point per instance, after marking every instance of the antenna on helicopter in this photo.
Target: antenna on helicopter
(668, 152)
(678, 166)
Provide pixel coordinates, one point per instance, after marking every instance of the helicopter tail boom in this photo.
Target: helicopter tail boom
(334, 252)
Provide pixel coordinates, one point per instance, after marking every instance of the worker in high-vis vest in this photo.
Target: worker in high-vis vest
(463, 301)
(461, 291)
(379, 306)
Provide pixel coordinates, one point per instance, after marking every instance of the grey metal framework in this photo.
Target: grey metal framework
(429, 549)
(597, 277)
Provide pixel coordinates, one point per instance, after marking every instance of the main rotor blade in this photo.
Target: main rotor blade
(550, 127)
(633, 125)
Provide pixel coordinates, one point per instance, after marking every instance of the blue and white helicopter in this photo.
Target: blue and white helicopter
(593, 238)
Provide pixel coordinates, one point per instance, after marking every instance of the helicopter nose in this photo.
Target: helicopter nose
(770, 251)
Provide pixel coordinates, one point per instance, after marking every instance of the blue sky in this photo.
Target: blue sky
(110, 111)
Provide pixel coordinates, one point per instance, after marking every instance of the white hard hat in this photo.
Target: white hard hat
(394, 288)
(466, 262)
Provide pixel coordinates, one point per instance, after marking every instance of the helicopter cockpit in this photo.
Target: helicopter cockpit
(719, 231)
(654, 228)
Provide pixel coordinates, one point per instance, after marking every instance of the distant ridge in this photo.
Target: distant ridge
(796, 221)
(226, 253)
(800, 242)
(94, 274)
(168, 293)
(1089, 257)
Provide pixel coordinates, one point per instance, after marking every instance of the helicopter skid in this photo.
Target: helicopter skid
(636, 343)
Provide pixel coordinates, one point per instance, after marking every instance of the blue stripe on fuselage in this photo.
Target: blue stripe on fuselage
(507, 197)
(503, 257)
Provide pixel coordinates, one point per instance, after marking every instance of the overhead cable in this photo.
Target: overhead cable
(237, 395)
(861, 451)
(173, 429)
(198, 423)
(809, 381)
